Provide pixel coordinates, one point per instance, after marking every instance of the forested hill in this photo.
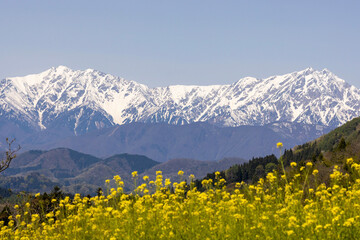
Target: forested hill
(332, 148)
(248, 172)
(325, 152)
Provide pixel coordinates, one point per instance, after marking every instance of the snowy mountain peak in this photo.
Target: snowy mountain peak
(309, 70)
(61, 68)
(84, 100)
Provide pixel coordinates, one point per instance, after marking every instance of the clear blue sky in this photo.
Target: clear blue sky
(160, 43)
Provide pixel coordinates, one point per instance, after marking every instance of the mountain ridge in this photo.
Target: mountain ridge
(82, 101)
(78, 172)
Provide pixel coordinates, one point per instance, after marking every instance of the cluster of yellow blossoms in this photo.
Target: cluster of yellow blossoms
(274, 208)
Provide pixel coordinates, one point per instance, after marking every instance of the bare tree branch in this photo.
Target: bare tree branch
(10, 155)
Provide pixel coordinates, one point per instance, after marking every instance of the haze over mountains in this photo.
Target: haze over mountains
(201, 141)
(63, 107)
(74, 171)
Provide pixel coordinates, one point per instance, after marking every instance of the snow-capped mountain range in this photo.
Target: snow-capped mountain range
(87, 100)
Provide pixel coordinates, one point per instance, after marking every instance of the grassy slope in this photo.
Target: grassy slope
(327, 148)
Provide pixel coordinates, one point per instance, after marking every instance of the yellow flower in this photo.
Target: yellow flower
(309, 164)
(349, 161)
(349, 222)
(324, 209)
(279, 145)
(318, 227)
(37, 195)
(223, 181)
(11, 223)
(134, 174)
(107, 181)
(158, 172)
(117, 178)
(167, 182)
(34, 217)
(180, 173)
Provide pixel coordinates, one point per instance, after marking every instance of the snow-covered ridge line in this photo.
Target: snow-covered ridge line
(84, 100)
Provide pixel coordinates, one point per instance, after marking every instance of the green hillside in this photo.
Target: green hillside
(325, 152)
(330, 149)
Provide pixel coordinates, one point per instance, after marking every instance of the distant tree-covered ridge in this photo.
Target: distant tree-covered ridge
(76, 172)
(249, 172)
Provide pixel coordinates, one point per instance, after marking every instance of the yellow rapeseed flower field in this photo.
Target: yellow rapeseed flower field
(273, 208)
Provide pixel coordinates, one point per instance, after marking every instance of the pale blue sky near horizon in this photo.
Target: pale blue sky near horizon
(161, 43)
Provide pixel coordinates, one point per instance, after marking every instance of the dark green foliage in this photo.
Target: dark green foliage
(270, 167)
(259, 173)
(252, 170)
(212, 176)
(307, 151)
(247, 172)
(34, 182)
(99, 192)
(4, 214)
(342, 144)
(328, 141)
